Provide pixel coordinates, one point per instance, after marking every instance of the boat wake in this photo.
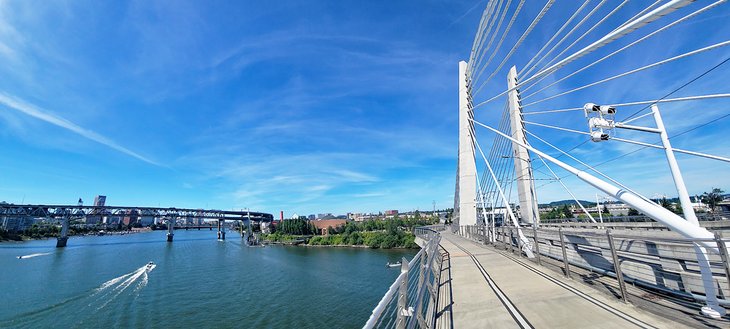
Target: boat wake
(121, 290)
(34, 255)
(110, 290)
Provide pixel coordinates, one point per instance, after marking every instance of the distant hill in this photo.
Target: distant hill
(567, 202)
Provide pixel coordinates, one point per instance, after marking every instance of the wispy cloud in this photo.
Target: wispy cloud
(33, 111)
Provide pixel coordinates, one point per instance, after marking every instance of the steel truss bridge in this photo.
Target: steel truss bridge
(65, 213)
(76, 211)
(580, 95)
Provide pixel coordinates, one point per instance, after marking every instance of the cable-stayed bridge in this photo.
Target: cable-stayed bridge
(587, 109)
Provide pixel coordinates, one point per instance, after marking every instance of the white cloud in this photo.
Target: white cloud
(33, 111)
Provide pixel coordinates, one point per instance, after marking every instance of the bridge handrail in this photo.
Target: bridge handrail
(403, 306)
(665, 263)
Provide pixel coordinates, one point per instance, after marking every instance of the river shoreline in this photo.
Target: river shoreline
(331, 245)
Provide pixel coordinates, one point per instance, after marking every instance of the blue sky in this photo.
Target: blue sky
(306, 107)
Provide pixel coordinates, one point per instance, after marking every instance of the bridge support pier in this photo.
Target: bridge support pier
(170, 229)
(63, 238)
(221, 229)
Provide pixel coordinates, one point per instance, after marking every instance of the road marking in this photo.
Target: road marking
(511, 308)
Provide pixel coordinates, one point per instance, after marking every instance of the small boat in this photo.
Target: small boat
(150, 265)
(389, 264)
(20, 257)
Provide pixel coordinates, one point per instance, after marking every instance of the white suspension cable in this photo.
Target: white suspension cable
(655, 101)
(494, 34)
(480, 30)
(667, 8)
(668, 60)
(499, 188)
(593, 63)
(567, 189)
(527, 67)
(527, 246)
(556, 127)
(501, 40)
(518, 43)
(699, 154)
(640, 13)
(557, 57)
(637, 118)
(586, 165)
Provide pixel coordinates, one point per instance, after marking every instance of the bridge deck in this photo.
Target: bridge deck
(494, 289)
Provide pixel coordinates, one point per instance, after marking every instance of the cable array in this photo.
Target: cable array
(587, 26)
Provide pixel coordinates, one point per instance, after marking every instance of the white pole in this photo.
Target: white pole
(713, 308)
(687, 210)
(660, 214)
(598, 206)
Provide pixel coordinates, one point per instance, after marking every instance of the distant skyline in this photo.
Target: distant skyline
(305, 107)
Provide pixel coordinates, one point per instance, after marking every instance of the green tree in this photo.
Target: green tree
(713, 197)
(633, 212)
(566, 213)
(666, 204)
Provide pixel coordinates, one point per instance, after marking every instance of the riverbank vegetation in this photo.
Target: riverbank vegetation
(384, 234)
(36, 231)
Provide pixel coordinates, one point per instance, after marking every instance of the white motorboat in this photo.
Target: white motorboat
(398, 264)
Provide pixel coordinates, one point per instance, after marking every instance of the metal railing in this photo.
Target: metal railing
(411, 300)
(658, 261)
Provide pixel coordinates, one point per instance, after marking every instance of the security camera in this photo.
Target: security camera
(605, 109)
(591, 107)
(598, 136)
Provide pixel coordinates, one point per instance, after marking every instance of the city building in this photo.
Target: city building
(147, 220)
(99, 200)
(390, 213)
(324, 224)
(96, 216)
(130, 217)
(17, 224)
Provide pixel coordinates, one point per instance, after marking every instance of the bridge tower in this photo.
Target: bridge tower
(521, 156)
(465, 211)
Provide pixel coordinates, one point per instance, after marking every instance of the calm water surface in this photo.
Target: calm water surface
(102, 282)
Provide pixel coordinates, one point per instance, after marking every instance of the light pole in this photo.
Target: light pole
(601, 124)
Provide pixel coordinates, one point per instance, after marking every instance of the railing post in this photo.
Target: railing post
(723, 255)
(511, 236)
(537, 247)
(504, 237)
(402, 316)
(565, 254)
(617, 267)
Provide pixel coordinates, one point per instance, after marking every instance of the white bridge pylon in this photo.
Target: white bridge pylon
(484, 189)
(465, 207)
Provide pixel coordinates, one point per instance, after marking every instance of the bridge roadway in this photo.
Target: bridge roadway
(490, 289)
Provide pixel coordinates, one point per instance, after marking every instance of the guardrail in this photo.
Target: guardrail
(411, 300)
(663, 261)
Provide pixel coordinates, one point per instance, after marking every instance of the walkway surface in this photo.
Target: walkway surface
(490, 288)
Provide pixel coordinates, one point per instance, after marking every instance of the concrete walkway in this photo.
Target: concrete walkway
(521, 294)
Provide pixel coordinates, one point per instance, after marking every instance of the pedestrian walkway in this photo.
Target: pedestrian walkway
(495, 289)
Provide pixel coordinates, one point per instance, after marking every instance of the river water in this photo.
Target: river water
(196, 282)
